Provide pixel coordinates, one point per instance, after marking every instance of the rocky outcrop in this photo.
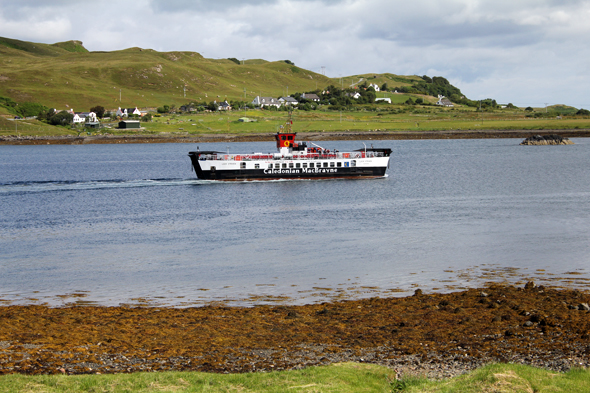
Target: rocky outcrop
(546, 140)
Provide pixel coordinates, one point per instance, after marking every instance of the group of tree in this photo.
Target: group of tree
(99, 110)
(56, 118)
(23, 109)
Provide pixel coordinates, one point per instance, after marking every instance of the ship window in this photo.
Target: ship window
(277, 166)
(305, 164)
(256, 166)
(243, 165)
(332, 164)
(346, 164)
(269, 166)
(298, 165)
(291, 165)
(290, 137)
(284, 166)
(311, 164)
(283, 137)
(353, 163)
(338, 164)
(325, 164)
(213, 168)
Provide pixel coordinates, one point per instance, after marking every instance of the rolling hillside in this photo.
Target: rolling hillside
(65, 75)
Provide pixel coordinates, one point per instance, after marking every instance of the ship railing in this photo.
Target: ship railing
(310, 156)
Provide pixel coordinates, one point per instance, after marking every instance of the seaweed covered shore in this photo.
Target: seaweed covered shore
(435, 335)
(268, 137)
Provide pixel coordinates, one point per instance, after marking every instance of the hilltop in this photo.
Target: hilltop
(67, 75)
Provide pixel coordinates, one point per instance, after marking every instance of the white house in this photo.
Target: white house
(224, 106)
(77, 119)
(444, 101)
(288, 101)
(374, 86)
(266, 101)
(89, 117)
(311, 97)
(355, 95)
(125, 112)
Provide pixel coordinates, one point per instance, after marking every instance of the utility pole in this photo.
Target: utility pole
(546, 106)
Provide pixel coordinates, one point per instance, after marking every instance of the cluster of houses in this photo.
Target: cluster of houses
(270, 101)
(90, 119)
(83, 117)
(278, 102)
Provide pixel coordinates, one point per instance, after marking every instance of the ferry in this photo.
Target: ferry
(293, 160)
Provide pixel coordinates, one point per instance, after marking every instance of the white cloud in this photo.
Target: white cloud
(508, 50)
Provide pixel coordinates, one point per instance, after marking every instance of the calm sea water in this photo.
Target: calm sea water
(130, 224)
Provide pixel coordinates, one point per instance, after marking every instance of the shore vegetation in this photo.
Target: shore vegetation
(340, 377)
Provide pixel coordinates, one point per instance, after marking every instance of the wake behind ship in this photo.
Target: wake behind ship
(293, 160)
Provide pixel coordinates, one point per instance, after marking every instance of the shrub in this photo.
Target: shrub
(29, 109)
(61, 118)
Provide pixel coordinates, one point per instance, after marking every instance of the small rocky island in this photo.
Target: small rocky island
(546, 140)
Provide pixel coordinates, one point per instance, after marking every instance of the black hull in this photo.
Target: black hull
(275, 174)
(259, 174)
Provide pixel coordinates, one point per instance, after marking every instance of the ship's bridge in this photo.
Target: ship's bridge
(286, 143)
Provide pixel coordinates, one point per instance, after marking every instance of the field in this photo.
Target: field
(342, 378)
(264, 122)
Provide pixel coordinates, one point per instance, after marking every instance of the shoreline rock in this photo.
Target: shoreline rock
(541, 140)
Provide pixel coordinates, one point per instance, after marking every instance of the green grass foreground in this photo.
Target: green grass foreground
(343, 377)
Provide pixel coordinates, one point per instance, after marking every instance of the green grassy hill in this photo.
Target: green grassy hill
(65, 75)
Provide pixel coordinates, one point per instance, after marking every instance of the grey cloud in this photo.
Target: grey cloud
(497, 34)
(208, 6)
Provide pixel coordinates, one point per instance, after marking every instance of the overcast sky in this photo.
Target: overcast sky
(528, 52)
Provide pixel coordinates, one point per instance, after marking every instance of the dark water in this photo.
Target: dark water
(130, 224)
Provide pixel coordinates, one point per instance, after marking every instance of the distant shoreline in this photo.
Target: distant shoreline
(259, 137)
